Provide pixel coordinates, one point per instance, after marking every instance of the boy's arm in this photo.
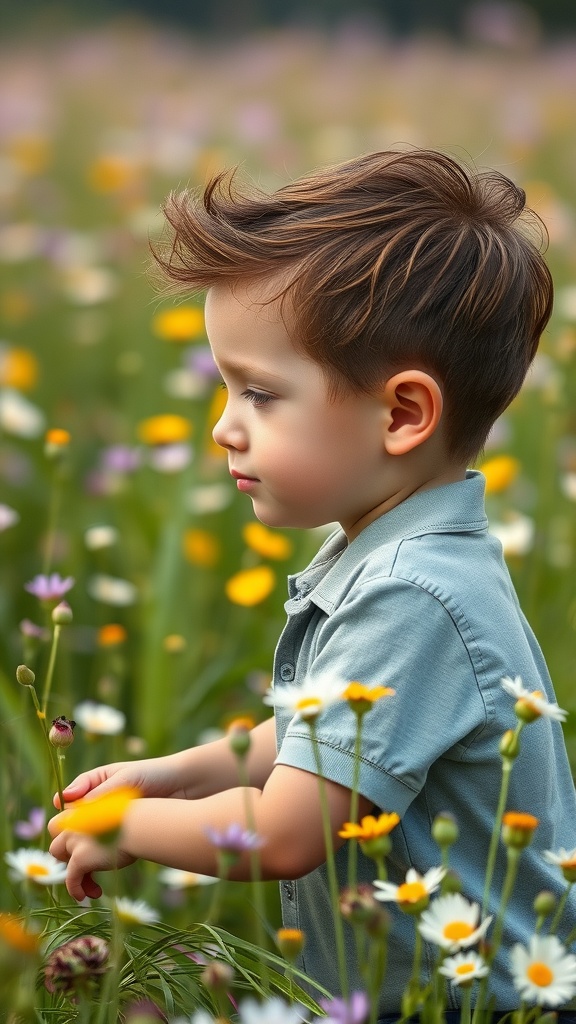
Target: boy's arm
(189, 774)
(286, 815)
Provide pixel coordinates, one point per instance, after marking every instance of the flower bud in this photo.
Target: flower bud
(525, 710)
(545, 903)
(62, 614)
(359, 907)
(62, 732)
(217, 976)
(290, 942)
(518, 829)
(25, 675)
(510, 745)
(239, 736)
(56, 443)
(76, 967)
(445, 830)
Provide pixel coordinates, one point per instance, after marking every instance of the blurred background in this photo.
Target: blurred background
(104, 108)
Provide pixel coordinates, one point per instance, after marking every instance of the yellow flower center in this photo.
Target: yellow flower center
(457, 930)
(307, 703)
(540, 974)
(37, 871)
(465, 968)
(411, 892)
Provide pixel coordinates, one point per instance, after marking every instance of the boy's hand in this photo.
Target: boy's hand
(84, 856)
(152, 777)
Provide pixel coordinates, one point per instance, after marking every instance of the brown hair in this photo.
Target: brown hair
(393, 260)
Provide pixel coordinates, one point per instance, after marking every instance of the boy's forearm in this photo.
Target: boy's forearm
(213, 767)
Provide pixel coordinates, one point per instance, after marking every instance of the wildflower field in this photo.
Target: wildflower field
(138, 595)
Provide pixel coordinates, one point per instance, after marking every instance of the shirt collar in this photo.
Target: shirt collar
(452, 508)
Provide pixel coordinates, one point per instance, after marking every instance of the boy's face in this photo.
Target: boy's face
(303, 459)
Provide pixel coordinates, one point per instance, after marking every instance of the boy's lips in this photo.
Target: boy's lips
(243, 482)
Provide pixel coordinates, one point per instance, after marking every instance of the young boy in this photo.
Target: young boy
(370, 323)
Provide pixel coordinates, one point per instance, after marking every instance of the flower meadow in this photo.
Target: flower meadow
(140, 601)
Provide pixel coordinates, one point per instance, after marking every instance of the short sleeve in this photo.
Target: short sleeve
(395, 633)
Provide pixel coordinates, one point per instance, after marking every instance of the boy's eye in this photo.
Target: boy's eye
(257, 398)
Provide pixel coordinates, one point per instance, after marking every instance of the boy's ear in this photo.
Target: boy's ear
(413, 407)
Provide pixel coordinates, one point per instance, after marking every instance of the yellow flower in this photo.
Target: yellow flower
(251, 586)
(174, 643)
(291, 942)
(361, 698)
(18, 369)
(31, 153)
(111, 635)
(242, 722)
(266, 542)
(520, 819)
(110, 173)
(99, 815)
(201, 548)
(180, 324)
(518, 829)
(167, 428)
(500, 472)
(370, 827)
(14, 934)
(57, 437)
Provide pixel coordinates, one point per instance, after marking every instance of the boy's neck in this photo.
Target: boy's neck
(450, 474)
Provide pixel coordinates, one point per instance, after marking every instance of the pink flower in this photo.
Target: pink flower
(49, 588)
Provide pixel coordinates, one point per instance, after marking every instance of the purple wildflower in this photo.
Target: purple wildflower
(120, 458)
(49, 588)
(31, 631)
(201, 361)
(33, 826)
(234, 839)
(346, 1011)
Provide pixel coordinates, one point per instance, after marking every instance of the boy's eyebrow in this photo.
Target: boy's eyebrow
(248, 370)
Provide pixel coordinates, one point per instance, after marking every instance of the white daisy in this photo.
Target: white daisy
(99, 719)
(8, 517)
(464, 968)
(18, 416)
(545, 973)
(112, 590)
(308, 700)
(562, 859)
(98, 537)
(176, 878)
(536, 700)
(415, 888)
(452, 922)
(272, 1011)
(29, 865)
(134, 911)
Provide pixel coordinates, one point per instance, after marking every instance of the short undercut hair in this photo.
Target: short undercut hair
(391, 261)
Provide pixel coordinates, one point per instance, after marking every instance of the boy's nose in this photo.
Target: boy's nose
(227, 434)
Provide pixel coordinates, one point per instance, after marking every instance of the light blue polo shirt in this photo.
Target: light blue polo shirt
(422, 601)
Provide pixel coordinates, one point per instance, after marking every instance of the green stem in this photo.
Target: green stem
(256, 876)
(466, 1003)
(560, 908)
(377, 978)
(354, 798)
(507, 764)
(41, 715)
(53, 513)
(330, 865)
(108, 1005)
(50, 671)
(513, 856)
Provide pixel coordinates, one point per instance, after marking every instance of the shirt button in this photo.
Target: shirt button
(287, 672)
(288, 890)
